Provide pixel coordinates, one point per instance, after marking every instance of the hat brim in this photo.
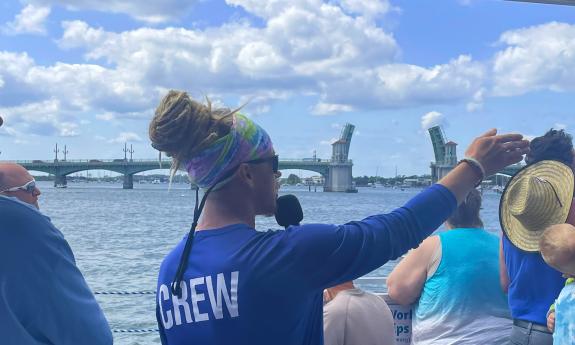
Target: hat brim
(559, 175)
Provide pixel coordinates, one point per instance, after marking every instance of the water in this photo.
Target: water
(119, 237)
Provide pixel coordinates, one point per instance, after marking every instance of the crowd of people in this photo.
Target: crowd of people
(227, 283)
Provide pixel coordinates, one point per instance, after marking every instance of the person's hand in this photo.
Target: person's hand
(495, 152)
(551, 321)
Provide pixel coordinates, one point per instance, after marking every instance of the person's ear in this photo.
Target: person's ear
(247, 175)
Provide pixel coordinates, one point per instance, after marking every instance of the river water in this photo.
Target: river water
(119, 237)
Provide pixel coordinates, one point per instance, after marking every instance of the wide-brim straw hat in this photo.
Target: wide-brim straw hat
(538, 196)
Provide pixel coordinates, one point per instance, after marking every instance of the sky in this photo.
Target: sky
(88, 76)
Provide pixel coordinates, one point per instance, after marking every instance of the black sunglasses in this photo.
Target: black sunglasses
(274, 159)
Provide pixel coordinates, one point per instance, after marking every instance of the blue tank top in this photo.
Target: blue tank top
(463, 298)
(533, 285)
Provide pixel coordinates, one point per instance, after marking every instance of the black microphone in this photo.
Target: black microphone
(288, 210)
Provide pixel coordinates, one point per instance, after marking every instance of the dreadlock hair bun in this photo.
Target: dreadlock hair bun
(182, 127)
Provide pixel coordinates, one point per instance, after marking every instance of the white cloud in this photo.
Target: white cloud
(68, 129)
(298, 50)
(476, 102)
(348, 61)
(306, 47)
(10, 131)
(107, 116)
(70, 90)
(330, 108)
(433, 118)
(125, 137)
(45, 118)
(536, 58)
(372, 8)
(29, 21)
(560, 126)
(151, 11)
(400, 85)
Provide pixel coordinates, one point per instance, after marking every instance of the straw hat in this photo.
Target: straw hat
(538, 196)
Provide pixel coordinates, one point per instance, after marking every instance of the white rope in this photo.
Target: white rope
(149, 330)
(124, 292)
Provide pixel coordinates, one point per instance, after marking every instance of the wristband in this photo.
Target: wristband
(474, 163)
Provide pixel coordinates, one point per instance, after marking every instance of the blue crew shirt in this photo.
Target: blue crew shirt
(242, 286)
(44, 298)
(533, 285)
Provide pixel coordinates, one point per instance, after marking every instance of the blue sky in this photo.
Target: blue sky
(89, 77)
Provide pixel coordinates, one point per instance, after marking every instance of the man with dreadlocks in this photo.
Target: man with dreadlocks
(226, 283)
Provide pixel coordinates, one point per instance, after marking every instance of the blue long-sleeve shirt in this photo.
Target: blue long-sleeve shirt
(44, 298)
(242, 286)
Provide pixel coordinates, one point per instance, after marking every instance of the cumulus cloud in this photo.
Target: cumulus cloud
(29, 21)
(125, 137)
(330, 108)
(78, 87)
(371, 8)
(45, 118)
(152, 11)
(476, 102)
(52, 100)
(560, 126)
(433, 118)
(347, 61)
(541, 57)
(399, 85)
(343, 60)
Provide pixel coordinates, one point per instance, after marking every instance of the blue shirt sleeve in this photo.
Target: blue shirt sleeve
(43, 293)
(327, 255)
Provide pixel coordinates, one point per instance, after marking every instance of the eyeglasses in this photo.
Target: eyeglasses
(274, 159)
(29, 187)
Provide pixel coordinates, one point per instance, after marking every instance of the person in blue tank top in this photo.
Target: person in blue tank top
(226, 283)
(538, 196)
(453, 279)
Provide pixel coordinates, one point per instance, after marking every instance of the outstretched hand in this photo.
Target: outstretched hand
(495, 152)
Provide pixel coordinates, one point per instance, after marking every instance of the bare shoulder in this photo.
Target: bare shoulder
(428, 246)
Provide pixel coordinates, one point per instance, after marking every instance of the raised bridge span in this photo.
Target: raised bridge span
(446, 158)
(337, 171)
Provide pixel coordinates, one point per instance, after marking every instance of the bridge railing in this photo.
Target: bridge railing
(74, 161)
(318, 161)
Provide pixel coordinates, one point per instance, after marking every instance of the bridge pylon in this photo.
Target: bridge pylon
(340, 178)
(60, 181)
(128, 181)
(445, 154)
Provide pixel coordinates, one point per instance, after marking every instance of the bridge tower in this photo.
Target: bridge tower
(445, 154)
(339, 177)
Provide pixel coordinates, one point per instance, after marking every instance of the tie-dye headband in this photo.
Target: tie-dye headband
(246, 141)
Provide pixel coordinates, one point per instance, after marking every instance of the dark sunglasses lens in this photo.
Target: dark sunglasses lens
(276, 163)
(31, 187)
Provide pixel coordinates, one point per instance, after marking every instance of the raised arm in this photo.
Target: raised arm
(356, 248)
(407, 279)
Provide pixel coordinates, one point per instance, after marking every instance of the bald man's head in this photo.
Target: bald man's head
(14, 175)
